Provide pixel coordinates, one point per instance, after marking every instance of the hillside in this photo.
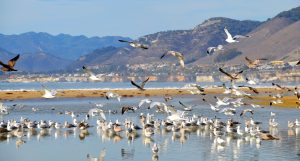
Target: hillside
(62, 45)
(192, 43)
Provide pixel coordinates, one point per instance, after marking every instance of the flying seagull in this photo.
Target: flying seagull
(141, 87)
(185, 107)
(135, 44)
(49, 93)
(113, 95)
(92, 75)
(246, 110)
(253, 63)
(10, 65)
(231, 39)
(212, 49)
(178, 55)
(231, 76)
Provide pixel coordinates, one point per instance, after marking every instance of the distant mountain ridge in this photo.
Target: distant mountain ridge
(192, 43)
(276, 38)
(62, 46)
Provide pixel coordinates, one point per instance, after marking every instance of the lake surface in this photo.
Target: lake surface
(108, 85)
(199, 145)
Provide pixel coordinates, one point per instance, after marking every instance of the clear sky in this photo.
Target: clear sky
(132, 18)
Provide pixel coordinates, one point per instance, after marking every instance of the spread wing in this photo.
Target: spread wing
(125, 41)
(144, 82)
(229, 75)
(227, 33)
(182, 104)
(13, 61)
(136, 85)
(249, 60)
(163, 55)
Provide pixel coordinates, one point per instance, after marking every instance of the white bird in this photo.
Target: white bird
(222, 102)
(49, 93)
(250, 81)
(113, 95)
(143, 101)
(3, 109)
(228, 111)
(231, 39)
(178, 55)
(214, 108)
(92, 76)
(135, 44)
(155, 148)
(212, 49)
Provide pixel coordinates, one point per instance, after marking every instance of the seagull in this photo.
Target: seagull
(148, 101)
(178, 55)
(186, 108)
(231, 76)
(231, 39)
(155, 148)
(135, 44)
(297, 93)
(92, 76)
(127, 108)
(280, 87)
(49, 93)
(253, 63)
(222, 102)
(10, 65)
(250, 81)
(140, 87)
(113, 95)
(246, 110)
(214, 108)
(211, 50)
(228, 111)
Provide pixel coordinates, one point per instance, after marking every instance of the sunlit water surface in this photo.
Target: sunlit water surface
(198, 145)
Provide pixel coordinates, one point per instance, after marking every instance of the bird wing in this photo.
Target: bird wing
(5, 66)
(253, 89)
(210, 50)
(125, 41)
(136, 85)
(182, 104)
(102, 115)
(144, 82)
(87, 70)
(163, 55)
(229, 75)
(181, 62)
(13, 61)
(249, 60)
(227, 33)
(239, 37)
(238, 73)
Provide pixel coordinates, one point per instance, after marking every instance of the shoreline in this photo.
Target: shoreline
(263, 99)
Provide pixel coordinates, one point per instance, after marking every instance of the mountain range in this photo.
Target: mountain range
(276, 38)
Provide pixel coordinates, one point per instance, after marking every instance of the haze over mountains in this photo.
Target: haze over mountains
(276, 38)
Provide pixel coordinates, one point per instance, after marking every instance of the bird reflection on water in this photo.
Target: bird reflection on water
(160, 132)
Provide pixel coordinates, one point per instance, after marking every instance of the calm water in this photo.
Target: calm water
(199, 145)
(94, 85)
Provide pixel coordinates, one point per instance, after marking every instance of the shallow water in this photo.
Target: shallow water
(198, 145)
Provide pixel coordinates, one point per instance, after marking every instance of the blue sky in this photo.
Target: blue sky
(132, 18)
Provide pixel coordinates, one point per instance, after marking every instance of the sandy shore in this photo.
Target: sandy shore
(262, 99)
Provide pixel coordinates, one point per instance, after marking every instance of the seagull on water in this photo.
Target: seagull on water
(10, 65)
(231, 39)
(178, 55)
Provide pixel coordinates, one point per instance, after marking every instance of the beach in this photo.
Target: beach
(263, 98)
